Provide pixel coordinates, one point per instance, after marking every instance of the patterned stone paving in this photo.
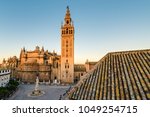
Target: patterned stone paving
(51, 92)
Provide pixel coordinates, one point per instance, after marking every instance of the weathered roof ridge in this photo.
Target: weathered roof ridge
(129, 51)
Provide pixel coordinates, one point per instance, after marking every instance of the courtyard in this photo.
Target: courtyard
(52, 92)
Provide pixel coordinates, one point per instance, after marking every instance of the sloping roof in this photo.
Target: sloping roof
(119, 75)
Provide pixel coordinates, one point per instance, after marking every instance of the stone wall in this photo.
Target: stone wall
(29, 72)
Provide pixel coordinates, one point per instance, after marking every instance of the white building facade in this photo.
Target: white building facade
(4, 77)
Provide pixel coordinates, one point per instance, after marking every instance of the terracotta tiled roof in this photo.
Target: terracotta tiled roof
(118, 76)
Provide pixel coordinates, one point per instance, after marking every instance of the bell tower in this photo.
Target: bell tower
(67, 49)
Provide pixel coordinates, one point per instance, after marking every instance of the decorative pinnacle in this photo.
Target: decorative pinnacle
(67, 7)
(68, 11)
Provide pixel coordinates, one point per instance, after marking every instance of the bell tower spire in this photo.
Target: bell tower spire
(68, 17)
(67, 49)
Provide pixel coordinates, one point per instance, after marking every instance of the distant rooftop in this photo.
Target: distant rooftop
(79, 68)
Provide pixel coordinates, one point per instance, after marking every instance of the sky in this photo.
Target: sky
(101, 26)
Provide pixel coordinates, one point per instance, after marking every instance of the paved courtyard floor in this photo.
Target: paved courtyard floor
(51, 92)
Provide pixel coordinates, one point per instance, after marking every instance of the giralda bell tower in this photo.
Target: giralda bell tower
(67, 49)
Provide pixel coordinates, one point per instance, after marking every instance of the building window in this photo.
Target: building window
(57, 65)
(67, 31)
(46, 62)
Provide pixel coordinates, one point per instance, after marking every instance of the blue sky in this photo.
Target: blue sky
(101, 26)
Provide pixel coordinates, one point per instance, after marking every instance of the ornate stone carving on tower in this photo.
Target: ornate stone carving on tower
(67, 49)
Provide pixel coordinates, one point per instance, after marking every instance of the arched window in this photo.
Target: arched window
(57, 65)
(46, 62)
(67, 31)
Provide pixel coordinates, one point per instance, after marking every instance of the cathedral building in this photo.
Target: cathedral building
(41, 63)
(50, 67)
